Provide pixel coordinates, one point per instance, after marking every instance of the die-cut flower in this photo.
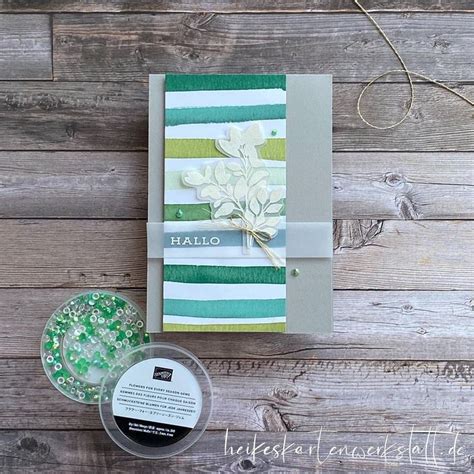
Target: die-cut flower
(237, 188)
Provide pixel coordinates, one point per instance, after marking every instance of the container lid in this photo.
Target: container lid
(156, 401)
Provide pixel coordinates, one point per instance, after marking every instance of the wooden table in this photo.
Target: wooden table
(73, 199)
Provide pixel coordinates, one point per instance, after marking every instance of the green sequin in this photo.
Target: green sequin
(113, 326)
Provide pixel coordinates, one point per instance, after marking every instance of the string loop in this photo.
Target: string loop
(408, 75)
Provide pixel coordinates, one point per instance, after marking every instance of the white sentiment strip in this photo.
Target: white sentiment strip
(182, 164)
(188, 196)
(184, 99)
(200, 321)
(207, 291)
(271, 129)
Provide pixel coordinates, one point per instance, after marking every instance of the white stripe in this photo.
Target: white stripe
(208, 291)
(218, 262)
(194, 255)
(174, 100)
(201, 321)
(188, 196)
(221, 130)
(182, 164)
(196, 226)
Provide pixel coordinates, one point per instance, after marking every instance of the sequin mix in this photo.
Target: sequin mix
(85, 337)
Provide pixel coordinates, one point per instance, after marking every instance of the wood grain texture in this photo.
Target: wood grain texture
(401, 351)
(129, 47)
(74, 253)
(114, 116)
(403, 255)
(74, 184)
(415, 255)
(368, 325)
(403, 185)
(229, 6)
(66, 451)
(113, 185)
(279, 395)
(55, 116)
(25, 47)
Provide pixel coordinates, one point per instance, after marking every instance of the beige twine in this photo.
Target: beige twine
(405, 71)
(260, 237)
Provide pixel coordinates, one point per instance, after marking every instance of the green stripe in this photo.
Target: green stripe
(174, 179)
(191, 212)
(195, 212)
(205, 82)
(227, 113)
(225, 308)
(265, 327)
(273, 149)
(221, 274)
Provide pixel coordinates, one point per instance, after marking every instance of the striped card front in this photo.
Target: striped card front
(218, 274)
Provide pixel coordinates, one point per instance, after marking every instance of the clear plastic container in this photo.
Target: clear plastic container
(156, 401)
(85, 336)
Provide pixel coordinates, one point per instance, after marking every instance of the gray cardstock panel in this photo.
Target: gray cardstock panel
(156, 176)
(309, 197)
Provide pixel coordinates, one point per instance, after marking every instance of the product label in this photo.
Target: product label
(157, 402)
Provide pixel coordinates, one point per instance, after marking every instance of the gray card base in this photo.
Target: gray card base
(309, 198)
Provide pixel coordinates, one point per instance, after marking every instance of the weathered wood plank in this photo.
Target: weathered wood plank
(55, 116)
(114, 185)
(396, 315)
(77, 253)
(129, 47)
(279, 395)
(403, 185)
(252, 6)
(424, 325)
(66, 252)
(74, 184)
(114, 116)
(66, 451)
(404, 255)
(25, 47)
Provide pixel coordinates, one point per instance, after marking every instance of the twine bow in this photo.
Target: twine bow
(259, 236)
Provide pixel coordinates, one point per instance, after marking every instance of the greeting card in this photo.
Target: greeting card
(234, 237)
